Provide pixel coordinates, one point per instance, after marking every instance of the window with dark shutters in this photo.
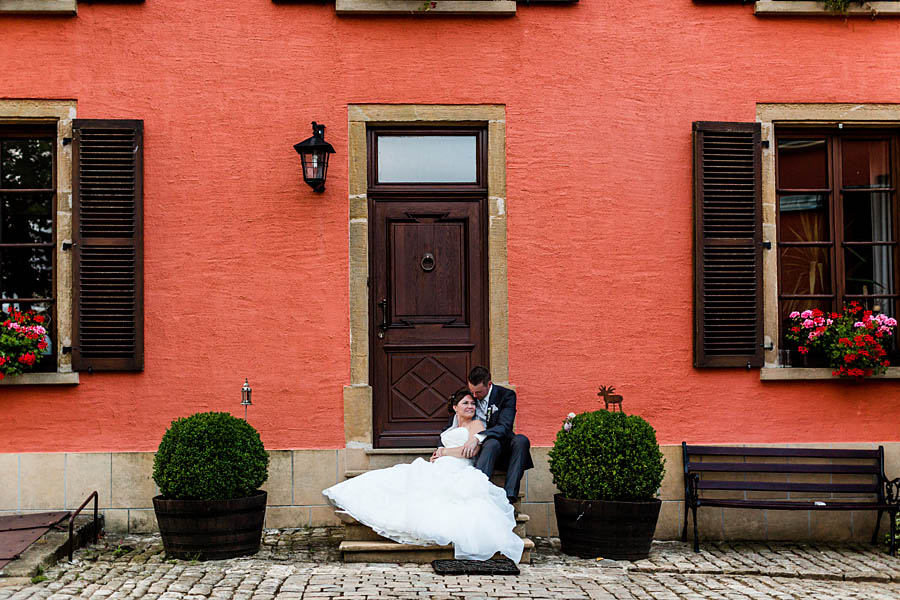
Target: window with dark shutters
(108, 323)
(728, 311)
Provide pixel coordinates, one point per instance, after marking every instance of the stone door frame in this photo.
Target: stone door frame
(358, 425)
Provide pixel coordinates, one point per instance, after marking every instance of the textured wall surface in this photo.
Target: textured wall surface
(246, 269)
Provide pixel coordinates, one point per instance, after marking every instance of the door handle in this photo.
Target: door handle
(382, 327)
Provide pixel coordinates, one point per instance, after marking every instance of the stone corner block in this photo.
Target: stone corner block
(132, 480)
(279, 485)
(314, 470)
(41, 479)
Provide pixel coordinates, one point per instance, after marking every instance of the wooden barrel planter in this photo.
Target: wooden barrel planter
(607, 529)
(211, 529)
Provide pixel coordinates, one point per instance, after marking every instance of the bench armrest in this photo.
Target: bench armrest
(691, 493)
(892, 491)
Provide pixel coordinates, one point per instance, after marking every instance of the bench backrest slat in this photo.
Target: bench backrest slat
(781, 486)
(781, 452)
(760, 467)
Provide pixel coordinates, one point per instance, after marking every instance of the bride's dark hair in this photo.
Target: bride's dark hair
(456, 397)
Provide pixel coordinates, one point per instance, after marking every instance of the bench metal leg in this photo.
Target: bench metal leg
(877, 526)
(696, 535)
(684, 527)
(892, 526)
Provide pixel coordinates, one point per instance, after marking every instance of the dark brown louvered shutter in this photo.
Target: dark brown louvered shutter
(728, 319)
(108, 323)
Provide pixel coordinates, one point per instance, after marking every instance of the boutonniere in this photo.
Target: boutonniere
(490, 411)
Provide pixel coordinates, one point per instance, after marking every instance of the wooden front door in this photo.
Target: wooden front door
(428, 301)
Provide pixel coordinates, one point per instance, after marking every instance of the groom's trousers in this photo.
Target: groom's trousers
(514, 455)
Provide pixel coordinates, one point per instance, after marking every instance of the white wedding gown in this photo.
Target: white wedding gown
(441, 502)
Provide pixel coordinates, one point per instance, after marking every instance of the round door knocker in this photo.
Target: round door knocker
(428, 262)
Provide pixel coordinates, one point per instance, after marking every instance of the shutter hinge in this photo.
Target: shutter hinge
(68, 245)
(766, 244)
(66, 141)
(764, 143)
(769, 346)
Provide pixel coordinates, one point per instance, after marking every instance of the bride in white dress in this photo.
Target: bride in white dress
(440, 502)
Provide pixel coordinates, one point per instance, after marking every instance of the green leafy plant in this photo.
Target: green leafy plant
(22, 341)
(840, 6)
(210, 456)
(604, 455)
(38, 575)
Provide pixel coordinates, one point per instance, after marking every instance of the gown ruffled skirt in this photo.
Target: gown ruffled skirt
(442, 502)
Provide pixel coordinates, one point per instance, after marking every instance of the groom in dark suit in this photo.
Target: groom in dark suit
(497, 445)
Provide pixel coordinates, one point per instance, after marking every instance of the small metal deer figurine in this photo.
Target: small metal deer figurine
(606, 392)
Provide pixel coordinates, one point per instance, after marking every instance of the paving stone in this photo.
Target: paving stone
(304, 563)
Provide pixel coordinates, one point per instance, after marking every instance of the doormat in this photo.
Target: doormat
(494, 566)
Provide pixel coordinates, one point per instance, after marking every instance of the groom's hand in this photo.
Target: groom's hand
(470, 448)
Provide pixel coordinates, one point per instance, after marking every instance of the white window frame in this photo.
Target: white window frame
(61, 113)
(39, 7)
(811, 8)
(769, 116)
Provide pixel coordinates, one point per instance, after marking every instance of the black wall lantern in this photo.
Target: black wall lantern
(314, 153)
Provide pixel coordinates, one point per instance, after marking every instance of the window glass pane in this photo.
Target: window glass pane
(804, 218)
(805, 270)
(26, 218)
(869, 270)
(802, 164)
(26, 163)
(800, 304)
(887, 306)
(865, 163)
(868, 217)
(427, 159)
(25, 272)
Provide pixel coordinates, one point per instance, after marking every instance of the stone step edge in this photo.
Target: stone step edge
(347, 519)
(400, 451)
(351, 473)
(390, 546)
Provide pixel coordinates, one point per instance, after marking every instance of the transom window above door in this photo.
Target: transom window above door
(446, 158)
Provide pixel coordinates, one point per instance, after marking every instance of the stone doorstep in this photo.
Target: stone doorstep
(388, 457)
(361, 544)
(392, 552)
(354, 531)
(497, 478)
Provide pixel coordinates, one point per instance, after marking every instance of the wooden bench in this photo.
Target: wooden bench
(788, 479)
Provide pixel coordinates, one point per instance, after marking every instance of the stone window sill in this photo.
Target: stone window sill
(801, 374)
(38, 7)
(42, 379)
(415, 7)
(810, 8)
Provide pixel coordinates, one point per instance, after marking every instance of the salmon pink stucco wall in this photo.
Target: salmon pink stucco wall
(246, 270)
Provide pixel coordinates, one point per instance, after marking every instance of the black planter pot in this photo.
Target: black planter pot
(601, 528)
(211, 529)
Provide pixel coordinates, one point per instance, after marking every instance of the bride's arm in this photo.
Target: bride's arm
(474, 427)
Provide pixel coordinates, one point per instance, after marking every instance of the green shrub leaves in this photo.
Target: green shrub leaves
(607, 456)
(210, 456)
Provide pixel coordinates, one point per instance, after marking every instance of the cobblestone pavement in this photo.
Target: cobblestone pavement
(304, 563)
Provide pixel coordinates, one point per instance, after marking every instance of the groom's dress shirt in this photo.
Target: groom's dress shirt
(481, 408)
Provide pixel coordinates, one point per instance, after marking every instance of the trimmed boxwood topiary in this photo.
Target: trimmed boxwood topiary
(607, 456)
(210, 456)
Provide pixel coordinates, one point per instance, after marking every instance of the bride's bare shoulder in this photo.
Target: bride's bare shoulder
(476, 426)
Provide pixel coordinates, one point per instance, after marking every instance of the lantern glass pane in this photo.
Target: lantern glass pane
(314, 165)
(427, 159)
